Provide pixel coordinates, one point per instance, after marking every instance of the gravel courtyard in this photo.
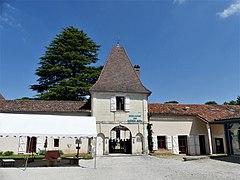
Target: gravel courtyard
(130, 167)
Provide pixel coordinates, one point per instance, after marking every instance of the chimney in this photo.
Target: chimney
(137, 69)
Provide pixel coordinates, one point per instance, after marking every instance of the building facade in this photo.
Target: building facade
(120, 105)
(119, 102)
(190, 128)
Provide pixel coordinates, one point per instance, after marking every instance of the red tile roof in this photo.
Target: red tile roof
(231, 117)
(118, 74)
(207, 112)
(43, 106)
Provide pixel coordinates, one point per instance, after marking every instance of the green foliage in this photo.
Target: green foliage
(85, 156)
(21, 156)
(173, 102)
(232, 102)
(42, 152)
(65, 71)
(211, 103)
(60, 152)
(8, 153)
(150, 138)
(238, 100)
(26, 98)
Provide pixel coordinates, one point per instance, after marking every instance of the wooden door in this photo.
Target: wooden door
(182, 143)
(219, 145)
(202, 144)
(161, 142)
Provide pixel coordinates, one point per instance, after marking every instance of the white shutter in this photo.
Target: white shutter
(113, 103)
(22, 145)
(40, 143)
(197, 144)
(175, 145)
(169, 143)
(154, 138)
(127, 104)
(191, 145)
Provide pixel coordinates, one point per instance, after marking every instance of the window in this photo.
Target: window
(56, 142)
(120, 103)
(161, 142)
(31, 144)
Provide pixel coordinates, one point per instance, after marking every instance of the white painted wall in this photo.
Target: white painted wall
(217, 131)
(107, 119)
(172, 126)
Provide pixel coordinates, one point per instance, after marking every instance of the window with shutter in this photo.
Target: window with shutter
(120, 103)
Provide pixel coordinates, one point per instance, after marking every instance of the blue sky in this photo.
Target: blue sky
(188, 50)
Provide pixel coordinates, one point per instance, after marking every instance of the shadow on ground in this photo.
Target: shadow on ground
(231, 159)
(40, 163)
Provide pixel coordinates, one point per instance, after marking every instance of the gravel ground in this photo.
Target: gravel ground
(131, 167)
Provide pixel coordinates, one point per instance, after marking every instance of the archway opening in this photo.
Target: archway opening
(120, 140)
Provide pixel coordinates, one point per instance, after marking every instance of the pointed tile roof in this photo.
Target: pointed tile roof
(118, 74)
(1, 97)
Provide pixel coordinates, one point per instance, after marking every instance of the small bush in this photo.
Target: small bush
(1, 152)
(8, 153)
(42, 152)
(86, 156)
(60, 152)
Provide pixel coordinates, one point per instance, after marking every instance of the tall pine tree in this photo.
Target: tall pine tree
(66, 71)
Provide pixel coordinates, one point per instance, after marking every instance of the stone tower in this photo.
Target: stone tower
(119, 103)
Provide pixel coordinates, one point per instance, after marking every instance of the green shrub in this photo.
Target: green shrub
(86, 156)
(42, 152)
(61, 152)
(1, 152)
(8, 153)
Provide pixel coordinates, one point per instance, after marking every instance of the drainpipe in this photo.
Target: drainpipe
(209, 138)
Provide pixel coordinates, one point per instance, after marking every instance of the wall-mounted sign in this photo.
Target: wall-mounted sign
(135, 118)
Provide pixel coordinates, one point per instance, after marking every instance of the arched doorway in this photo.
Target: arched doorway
(120, 140)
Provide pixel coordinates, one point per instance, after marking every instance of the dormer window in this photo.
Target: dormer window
(120, 103)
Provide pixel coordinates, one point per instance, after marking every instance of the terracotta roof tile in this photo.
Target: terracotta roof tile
(43, 106)
(118, 74)
(207, 112)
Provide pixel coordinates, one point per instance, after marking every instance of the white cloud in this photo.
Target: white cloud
(9, 6)
(234, 8)
(7, 17)
(179, 1)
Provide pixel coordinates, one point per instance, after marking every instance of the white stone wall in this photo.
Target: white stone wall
(172, 126)
(217, 131)
(107, 119)
(9, 144)
(101, 107)
(67, 145)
